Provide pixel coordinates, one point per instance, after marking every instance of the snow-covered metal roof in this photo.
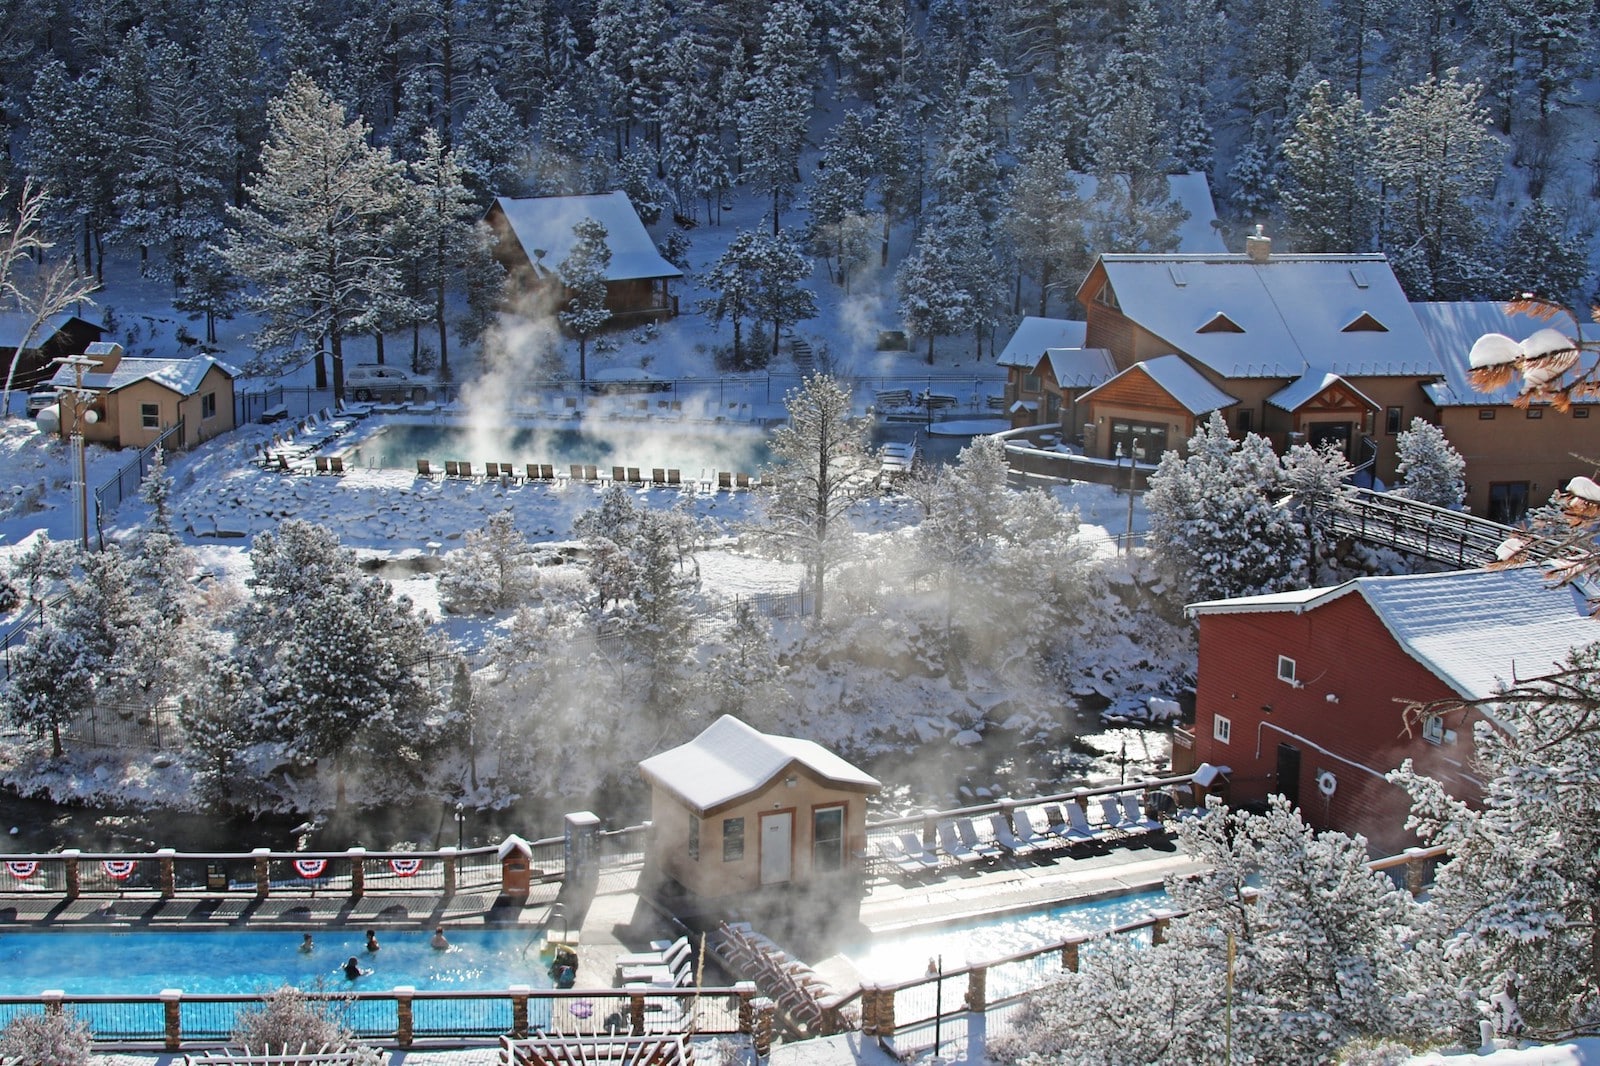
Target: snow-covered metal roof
(1307, 386)
(1180, 381)
(1034, 336)
(1198, 234)
(1081, 367)
(1340, 313)
(1453, 328)
(182, 376)
(1476, 630)
(14, 326)
(544, 223)
(730, 760)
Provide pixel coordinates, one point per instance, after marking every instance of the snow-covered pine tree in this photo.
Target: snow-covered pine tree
(1215, 524)
(1431, 470)
(442, 230)
(1325, 187)
(867, 41)
(1316, 478)
(52, 682)
(583, 281)
(313, 237)
(932, 298)
(1542, 256)
(823, 465)
(777, 107)
(492, 148)
(626, 58)
(1044, 218)
(1132, 209)
(494, 569)
(71, 152)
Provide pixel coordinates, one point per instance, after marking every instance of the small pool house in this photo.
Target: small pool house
(736, 811)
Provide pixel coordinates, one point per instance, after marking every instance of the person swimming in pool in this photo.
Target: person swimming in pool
(352, 968)
(372, 940)
(306, 946)
(439, 942)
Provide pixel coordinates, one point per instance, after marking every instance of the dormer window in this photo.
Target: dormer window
(1220, 323)
(1365, 323)
(1106, 298)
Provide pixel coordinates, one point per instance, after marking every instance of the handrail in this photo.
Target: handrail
(1141, 785)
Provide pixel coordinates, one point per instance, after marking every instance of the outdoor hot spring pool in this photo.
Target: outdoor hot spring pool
(247, 961)
(736, 449)
(904, 955)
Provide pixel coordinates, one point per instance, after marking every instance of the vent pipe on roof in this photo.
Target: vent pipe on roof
(1258, 245)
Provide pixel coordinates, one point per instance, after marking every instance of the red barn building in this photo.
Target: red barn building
(1301, 693)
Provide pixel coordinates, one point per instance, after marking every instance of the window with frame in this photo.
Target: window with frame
(1286, 668)
(694, 839)
(1393, 419)
(1221, 729)
(208, 405)
(150, 415)
(1244, 421)
(1433, 729)
(1106, 298)
(1486, 414)
(1030, 383)
(827, 839)
(1580, 412)
(1536, 412)
(732, 839)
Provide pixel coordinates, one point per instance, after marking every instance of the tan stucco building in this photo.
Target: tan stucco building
(136, 400)
(735, 811)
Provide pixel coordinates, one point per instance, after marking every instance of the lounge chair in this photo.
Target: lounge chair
(618, 475)
(724, 479)
(741, 480)
(322, 464)
(657, 957)
(424, 468)
(533, 472)
(670, 968)
(1007, 839)
(658, 476)
(633, 476)
(591, 473)
(508, 471)
(1056, 823)
(1028, 833)
(491, 471)
(1080, 830)
(547, 472)
(336, 464)
(895, 855)
(1133, 814)
(969, 836)
(916, 849)
(952, 844)
(281, 464)
(674, 477)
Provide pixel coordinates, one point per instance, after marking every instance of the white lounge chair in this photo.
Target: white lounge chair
(1007, 839)
(918, 852)
(1028, 833)
(1116, 818)
(959, 849)
(895, 855)
(969, 836)
(1132, 812)
(1078, 826)
(657, 957)
(1056, 823)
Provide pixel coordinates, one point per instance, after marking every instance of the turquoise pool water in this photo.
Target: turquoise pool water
(903, 955)
(253, 961)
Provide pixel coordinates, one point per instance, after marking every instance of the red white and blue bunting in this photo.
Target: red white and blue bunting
(119, 869)
(310, 868)
(406, 867)
(22, 869)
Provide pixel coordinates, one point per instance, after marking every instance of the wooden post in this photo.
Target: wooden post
(171, 1002)
(169, 887)
(747, 1015)
(885, 1014)
(762, 1038)
(450, 857)
(519, 1010)
(358, 872)
(52, 998)
(930, 829)
(869, 1011)
(1415, 872)
(404, 1031)
(636, 1014)
(1158, 931)
(978, 988)
(263, 866)
(74, 877)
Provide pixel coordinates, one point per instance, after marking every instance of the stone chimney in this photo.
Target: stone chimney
(107, 353)
(1258, 246)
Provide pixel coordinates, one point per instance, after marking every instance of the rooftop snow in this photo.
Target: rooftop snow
(182, 376)
(1081, 367)
(1197, 234)
(1292, 309)
(1453, 328)
(730, 760)
(1474, 629)
(1309, 385)
(14, 326)
(1034, 336)
(1180, 381)
(545, 222)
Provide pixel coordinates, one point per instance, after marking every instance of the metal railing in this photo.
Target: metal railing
(125, 482)
(1436, 533)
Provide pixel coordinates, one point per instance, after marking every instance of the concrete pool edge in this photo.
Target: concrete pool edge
(965, 917)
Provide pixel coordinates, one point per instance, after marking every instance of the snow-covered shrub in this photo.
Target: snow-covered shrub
(496, 568)
(1430, 469)
(51, 1039)
(288, 1019)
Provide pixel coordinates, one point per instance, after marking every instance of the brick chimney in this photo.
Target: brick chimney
(1258, 246)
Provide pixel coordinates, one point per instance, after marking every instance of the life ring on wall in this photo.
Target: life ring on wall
(1327, 784)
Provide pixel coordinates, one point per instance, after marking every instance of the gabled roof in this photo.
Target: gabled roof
(1179, 380)
(545, 223)
(1034, 336)
(14, 326)
(1308, 386)
(1453, 328)
(730, 760)
(182, 376)
(1476, 630)
(1293, 311)
(1076, 368)
(1197, 234)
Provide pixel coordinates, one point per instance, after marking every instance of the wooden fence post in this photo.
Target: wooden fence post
(762, 1038)
(358, 872)
(1415, 872)
(171, 1009)
(451, 857)
(978, 988)
(636, 1014)
(74, 876)
(519, 1010)
(1069, 955)
(405, 1028)
(885, 1013)
(747, 1015)
(263, 868)
(169, 887)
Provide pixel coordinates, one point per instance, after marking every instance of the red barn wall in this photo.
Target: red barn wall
(1340, 648)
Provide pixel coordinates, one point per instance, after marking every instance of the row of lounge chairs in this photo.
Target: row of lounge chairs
(667, 477)
(669, 967)
(798, 992)
(1028, 832)
(286, 452)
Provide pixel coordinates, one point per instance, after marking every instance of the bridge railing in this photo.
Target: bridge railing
(1435, 532)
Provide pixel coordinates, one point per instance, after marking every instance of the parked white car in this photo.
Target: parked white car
(379, 381)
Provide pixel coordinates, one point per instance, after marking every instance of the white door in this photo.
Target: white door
(777, 837)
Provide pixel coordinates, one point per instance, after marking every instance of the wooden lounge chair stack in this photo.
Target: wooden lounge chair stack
(789, 983)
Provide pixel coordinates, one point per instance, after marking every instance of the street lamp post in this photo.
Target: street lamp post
(461, 826)
(936, 971)
(1133, 465)
(82, 414)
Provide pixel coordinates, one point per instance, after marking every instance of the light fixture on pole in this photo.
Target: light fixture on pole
(83, 414)
(461, 826)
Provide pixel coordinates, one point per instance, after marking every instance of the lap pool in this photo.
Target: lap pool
(239, 961)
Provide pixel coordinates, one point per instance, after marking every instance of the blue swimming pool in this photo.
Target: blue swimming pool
(223, 961)
(903, 955)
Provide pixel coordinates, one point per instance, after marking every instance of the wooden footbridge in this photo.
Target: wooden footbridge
(1453, 537)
